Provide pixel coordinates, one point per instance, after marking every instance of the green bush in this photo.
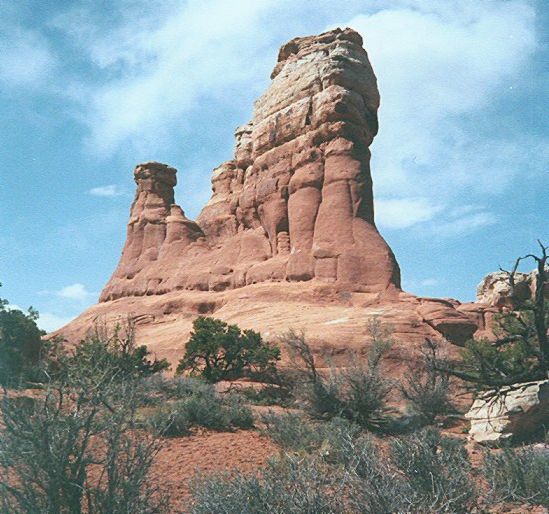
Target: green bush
(199, 404)
(218, 351)
(108, 349)
(426, 388)
(518, 475)
(21, 346)
(358, 393)
(437, 470)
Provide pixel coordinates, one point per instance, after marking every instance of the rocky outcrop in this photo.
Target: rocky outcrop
(295, 203)
(513, 413)
(495, 288)
(288, 237)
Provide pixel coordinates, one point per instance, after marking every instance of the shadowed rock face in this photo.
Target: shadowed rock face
(295, 203)
(288, 237)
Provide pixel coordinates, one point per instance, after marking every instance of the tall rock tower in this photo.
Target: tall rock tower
(295, 203)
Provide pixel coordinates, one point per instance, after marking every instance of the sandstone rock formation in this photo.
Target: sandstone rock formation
(295, 203)
(514, 412)
(495, 288)
(288, 238)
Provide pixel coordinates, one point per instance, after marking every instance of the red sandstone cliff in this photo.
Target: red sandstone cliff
(288, 238)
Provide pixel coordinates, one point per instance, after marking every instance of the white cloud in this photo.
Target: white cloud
(107, 191)
(25, 58)
(159, 66)
(74, 292)
(50, 322)
(464, 225)
(420, 284)
(396, 213)
(441, 66)
(77, 292)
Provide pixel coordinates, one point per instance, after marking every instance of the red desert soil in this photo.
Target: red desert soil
(181, 458)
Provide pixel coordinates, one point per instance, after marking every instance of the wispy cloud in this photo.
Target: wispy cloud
(160, 65)
(26, 60)
(109, 191)
(396, 213)
(437, 93)
(464, 224)
(77, 292)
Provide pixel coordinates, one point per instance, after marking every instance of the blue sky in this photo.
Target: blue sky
(91, 88)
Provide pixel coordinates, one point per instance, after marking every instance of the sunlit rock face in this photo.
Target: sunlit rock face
(295, 203)
(288, 237)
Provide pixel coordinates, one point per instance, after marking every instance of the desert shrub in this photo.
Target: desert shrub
(270, 394)
(358, 393)
(74, 448)
(437, 470)
(107, 349)
(293, 432)
(218, 351)
(427, 388)
(518, 475)
(200, 405)
(373, 486)
(367, 483)
(291, 486)
(159, 388)
(20, 344)
(345, 471)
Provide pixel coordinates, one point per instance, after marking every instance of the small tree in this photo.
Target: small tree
(521, 351)
(218, 351)
(20, 343)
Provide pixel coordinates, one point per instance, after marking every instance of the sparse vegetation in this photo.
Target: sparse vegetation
(437, 471)
(199, 405)
(218, 351)
(358, 393)
(291, 486)
(519, 475)
(348, 475)
(74, 447)
(426, 387)
(86, 442)
(292, 432)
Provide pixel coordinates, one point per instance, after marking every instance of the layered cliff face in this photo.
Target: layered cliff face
(295, 203)
(288, 238)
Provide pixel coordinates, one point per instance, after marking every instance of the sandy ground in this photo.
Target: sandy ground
(206, 452)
